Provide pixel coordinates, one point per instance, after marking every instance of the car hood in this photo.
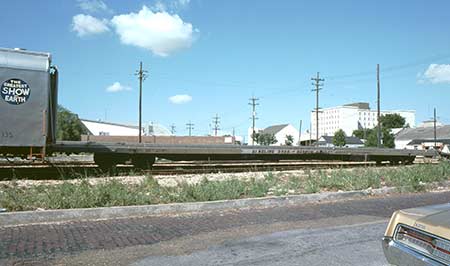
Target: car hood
(433, 219)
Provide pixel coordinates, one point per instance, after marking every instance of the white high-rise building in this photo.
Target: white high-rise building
(350, 117)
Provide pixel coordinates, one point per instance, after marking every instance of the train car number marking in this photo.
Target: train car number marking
(7, 134)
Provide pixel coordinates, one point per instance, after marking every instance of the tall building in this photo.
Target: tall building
(350, 117)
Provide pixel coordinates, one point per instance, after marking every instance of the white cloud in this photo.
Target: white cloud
(93, 6)
(437, 74)
(180, 99)
(159, 7)
(117, 87)
(179, 4)
(160, 32)
(170, 6)
(87, 25)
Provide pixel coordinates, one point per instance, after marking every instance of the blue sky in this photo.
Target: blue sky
(214, 55)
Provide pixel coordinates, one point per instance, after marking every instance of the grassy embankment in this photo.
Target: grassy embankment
(113, 193)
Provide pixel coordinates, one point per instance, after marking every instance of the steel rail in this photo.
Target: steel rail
(61, 171)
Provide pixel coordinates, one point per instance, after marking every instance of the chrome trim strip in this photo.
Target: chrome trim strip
(399, 254)
(416, 250)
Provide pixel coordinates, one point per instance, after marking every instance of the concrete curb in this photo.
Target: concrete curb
(55, 216)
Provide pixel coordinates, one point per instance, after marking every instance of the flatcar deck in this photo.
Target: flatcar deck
(237, 152)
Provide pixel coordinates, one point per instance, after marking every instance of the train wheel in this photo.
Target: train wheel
(142, 161)
(410, 161)
(394, 162)
(106, 162)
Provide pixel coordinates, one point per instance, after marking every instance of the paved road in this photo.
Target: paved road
(349, 245)
(346, 232)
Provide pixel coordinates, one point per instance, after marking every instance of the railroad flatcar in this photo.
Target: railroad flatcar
(28, 107)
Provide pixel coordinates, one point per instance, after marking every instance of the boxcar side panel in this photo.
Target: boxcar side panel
(23, 107)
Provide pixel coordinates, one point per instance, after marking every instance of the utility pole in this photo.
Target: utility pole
(378, 108)
(142, 75)
(172, 129)
(317, 83)
(253, 102)
(310, 132)
(434, 122)
(300, 134)
(190, 127)
(216, 121)
(234, 136)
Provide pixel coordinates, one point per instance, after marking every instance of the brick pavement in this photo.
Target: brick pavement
(49, 240)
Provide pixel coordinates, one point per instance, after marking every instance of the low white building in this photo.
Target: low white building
(280, 132)
(422, 137)
(350, 117)
(425, 144)
(101, 128)
(306, 138)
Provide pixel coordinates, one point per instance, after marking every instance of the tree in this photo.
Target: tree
(339, 138)
(387, 137)
(255, 136)
(388, 122)
(264, 138)
(289, 140)
(68, 125)
(359, 133)
(392, 121)
(371, 138)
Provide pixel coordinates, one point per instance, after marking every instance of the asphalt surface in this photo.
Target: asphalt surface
(337, 233)
(349, 245)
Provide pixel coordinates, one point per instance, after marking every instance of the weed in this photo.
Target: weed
(82, 194)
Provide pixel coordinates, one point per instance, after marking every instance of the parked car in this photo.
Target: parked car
(419, 236)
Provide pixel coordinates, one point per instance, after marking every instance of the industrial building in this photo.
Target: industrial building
(422, 137)
(350, 117)
(100, 131)
(102, 128)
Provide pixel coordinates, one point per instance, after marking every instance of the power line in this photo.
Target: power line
(216, 122)
(243, 122)
(190, 127)
(318, 86)
(142, 75)
(240, 110)
(394, 67)
(253, 102)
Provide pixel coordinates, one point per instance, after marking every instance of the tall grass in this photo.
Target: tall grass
(114, 193)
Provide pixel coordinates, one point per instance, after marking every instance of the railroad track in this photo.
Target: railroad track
(234, 167)
(69, 170)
